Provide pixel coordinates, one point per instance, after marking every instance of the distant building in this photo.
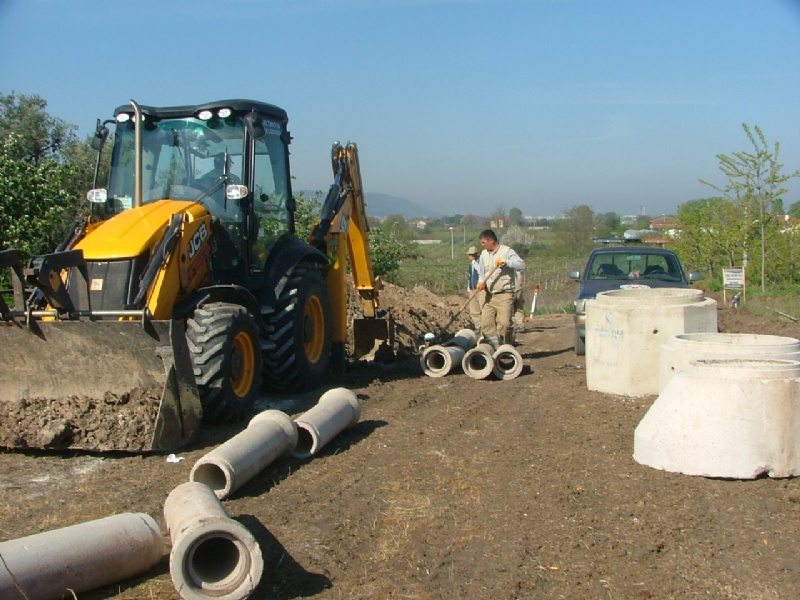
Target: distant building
(789, 224)
(664, 222)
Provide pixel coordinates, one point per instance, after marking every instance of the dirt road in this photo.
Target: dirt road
(456, 488)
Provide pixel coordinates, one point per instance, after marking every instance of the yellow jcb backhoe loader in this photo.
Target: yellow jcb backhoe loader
(185, 289)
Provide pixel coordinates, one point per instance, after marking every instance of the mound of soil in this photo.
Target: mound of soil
(416, 312)
(114, 422)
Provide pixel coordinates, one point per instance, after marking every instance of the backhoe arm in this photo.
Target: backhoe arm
(341, 232)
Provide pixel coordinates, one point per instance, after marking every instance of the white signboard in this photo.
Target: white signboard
(733, 278)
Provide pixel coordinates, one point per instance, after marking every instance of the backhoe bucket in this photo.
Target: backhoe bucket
(367, 330)
(97, 385)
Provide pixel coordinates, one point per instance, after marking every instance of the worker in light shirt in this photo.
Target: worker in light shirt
(497, 268)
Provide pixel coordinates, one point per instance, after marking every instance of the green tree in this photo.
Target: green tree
(610, 222)
(387, 254)
(395, 226)
(35, 208)
(54, 167)
(755, 182)
(574, 232)
(710, 234)
(39, 136)
(515, 217)
(306, 214)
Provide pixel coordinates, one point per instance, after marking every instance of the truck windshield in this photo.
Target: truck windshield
(182, 159)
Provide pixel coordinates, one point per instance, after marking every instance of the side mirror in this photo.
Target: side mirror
(575, 274)
(254, 126)
(100, 136)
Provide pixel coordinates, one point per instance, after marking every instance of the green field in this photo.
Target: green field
(442, 268)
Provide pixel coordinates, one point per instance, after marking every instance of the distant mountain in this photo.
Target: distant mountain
(383, 205)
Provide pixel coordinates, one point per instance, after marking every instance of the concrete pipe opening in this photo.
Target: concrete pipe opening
(680, 351)
(213, 476)
(217, 563)
(337, 410)
(269, 435)
(438, 361)
(638, 297)
(507, 362)
(212, 556)
(307, 442)
(478, 362)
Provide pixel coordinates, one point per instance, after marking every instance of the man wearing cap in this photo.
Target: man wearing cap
(476, 297)
(497, 267)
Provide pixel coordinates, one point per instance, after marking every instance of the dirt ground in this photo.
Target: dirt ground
(456, 488)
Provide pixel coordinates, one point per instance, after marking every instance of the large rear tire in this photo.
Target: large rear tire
(226, 353)
(300, 332)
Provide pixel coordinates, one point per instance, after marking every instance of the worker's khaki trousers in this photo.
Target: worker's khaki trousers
(496, 316)
(475, 306)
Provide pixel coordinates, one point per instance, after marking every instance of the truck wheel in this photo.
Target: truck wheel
(224, 344)
(580, 344)
(300, 332)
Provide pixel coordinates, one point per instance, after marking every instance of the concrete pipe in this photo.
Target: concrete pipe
(507, 362)
(680, 351)
(79, 558)
(626, 328)
(464, 339)
(438, 361)
(336, 410)
(269, 435)
(478, 362)
(736, 419)
(213, 556)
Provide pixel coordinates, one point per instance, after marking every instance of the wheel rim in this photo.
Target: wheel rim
(314, 329)
(243, 361)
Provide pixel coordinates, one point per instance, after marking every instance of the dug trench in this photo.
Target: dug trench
(457, 488)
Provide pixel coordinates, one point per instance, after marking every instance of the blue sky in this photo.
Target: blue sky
(459, 105)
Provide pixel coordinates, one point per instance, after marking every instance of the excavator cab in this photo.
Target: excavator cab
(226, 156)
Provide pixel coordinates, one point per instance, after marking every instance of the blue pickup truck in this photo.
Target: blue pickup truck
(624, 267)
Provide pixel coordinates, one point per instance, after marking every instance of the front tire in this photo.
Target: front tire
(580, 344)
(226, 352)
(300, 332)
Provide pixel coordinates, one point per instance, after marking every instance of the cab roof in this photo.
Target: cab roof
(167, 112)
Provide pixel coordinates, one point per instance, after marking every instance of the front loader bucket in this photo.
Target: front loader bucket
(97, 385)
